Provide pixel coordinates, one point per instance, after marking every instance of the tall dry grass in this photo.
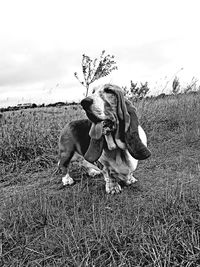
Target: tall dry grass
(30, 137)
(27, 134)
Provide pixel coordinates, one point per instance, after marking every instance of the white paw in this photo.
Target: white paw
(113, 188)
(67, 180)
(93, 172)
(130, 180)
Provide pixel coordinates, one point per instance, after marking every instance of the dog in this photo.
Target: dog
(111, 137)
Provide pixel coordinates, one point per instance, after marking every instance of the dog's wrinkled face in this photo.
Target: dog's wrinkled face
(101, 105)
(114, 117)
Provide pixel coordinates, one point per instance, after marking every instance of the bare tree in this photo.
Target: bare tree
(136, 92)
(94, 69)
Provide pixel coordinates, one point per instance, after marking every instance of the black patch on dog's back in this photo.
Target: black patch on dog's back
(80, 130)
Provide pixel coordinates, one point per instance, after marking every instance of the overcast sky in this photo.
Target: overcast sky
(42, 42)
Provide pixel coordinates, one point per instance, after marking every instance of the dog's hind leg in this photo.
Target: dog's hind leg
(63, 165)
(66, 152)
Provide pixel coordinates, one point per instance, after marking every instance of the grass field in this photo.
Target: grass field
(155, 222)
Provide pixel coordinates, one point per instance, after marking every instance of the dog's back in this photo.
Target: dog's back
(69, 141)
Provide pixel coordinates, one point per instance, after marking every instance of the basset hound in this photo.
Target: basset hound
(110, 136)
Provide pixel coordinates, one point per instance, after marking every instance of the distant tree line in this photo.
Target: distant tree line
(33, 105)
(126, 92)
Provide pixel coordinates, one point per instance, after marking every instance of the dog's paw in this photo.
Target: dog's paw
(93, 172)
(130, 180)
(113, 188)
(67, 180)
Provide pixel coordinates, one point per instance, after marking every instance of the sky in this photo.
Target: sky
(42, 42)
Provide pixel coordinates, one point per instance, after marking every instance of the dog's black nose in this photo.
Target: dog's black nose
(86, 102)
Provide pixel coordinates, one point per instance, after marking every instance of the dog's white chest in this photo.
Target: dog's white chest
(118, 164)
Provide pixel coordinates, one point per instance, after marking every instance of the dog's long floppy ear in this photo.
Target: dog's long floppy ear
(96, 143)
(122, 116)
(122, 112)
(136, 148)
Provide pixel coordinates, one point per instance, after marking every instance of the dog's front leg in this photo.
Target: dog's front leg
(93, 170)
(130, 179)
(112, 187)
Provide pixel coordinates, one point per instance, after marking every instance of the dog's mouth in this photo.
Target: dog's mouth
(108, 129)
(108, 126)
(104, 128)
(91, 116)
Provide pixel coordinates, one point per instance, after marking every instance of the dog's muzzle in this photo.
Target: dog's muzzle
(86, 103)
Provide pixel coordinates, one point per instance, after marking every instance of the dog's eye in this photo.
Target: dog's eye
(108, 90)
(109, 93)
(93, 91)
(110, 98)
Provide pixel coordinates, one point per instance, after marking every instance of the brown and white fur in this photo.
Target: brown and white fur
(111, 135)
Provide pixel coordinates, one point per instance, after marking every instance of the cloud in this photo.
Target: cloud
(31, 73)
(150, 54)
(21, 68)
(41, 93)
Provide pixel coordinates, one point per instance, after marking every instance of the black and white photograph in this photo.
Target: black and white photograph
(99, 133)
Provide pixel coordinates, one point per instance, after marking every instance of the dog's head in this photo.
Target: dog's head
(113, 115)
